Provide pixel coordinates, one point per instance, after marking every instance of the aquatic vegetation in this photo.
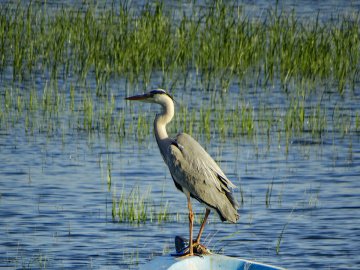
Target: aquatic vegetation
(268, 192)
(135, 207)
(219, 44)
(271, 80)
(210, 47)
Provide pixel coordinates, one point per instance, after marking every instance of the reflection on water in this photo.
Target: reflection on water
(57, 191)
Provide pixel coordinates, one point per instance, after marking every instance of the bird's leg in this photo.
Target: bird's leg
(191, 219)
(202, 226)
(199, 249)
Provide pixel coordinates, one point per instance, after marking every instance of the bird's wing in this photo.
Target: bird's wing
(193, 168)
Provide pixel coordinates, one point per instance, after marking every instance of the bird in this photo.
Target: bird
(193, 170)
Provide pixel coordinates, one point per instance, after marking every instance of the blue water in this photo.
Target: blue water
(55, 204)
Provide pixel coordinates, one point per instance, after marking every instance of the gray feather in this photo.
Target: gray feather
(193, 168)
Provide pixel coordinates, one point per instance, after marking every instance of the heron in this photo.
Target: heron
(193, 170)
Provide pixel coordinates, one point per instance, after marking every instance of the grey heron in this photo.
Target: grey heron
(194, 172)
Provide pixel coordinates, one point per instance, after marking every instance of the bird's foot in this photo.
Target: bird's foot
(185, 254)
(200, 249)
(183, 248)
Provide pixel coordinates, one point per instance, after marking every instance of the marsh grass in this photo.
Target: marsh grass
(136, 207)
(284, 228)
(219, 43)
(269, 193)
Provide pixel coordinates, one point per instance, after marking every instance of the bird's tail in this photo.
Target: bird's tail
(228, 211)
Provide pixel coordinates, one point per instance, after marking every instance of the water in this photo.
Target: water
(56, 203)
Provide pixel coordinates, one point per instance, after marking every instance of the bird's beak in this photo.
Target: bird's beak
(138, 97)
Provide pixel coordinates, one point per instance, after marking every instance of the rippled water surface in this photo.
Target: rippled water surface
(57, 198)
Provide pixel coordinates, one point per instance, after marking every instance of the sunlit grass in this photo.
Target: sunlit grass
(218, 42)
(214, 45)
(136, 207)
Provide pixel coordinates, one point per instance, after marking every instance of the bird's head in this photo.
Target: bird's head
(158, 96)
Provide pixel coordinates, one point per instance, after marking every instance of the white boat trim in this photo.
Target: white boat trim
(206, 262)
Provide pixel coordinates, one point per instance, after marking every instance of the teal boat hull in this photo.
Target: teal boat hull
(205, 262)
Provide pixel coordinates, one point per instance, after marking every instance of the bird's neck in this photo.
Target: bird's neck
(161, 120)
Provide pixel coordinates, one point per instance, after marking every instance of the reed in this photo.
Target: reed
(268, 193)
(218, 41)
(136, 207)
(210, 47)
